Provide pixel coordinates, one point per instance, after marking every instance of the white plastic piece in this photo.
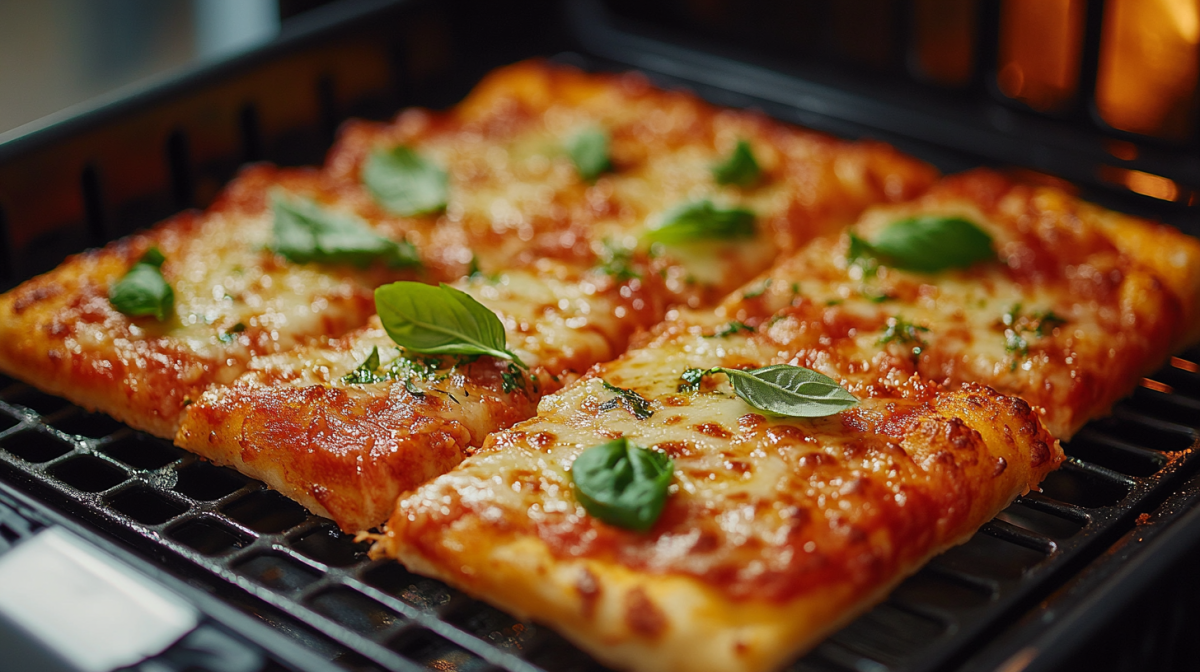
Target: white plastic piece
(95, 612)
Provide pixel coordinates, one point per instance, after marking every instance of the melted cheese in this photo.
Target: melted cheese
(233, 300)
(367, 443)
(1114, 315)
(518, 197)
(776, 530)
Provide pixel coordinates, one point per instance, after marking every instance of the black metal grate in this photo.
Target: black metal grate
(321, 587)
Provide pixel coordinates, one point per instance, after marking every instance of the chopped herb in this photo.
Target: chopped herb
(617, 262)
(782, 389)
(589, 151)
(622, 484)
(903, 332)
(412, 389)
(143, 290)
(631, 401)
(731, 328)
(305, 233)
(512, 379)
(1018, 326)
(834, 302)
(231, 335)
(877, 297)
(757, 291)
(691, 380)
(739, 167)
(405, 183)
(365, 373)
(701, 220)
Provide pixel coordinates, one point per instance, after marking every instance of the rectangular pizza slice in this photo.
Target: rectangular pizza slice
(345, 428)
(986, 280)
(770, 531)
(546, 161)
(139, 328)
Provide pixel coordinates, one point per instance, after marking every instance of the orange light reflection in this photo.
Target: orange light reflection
(1146, 184)
(1148, 66)
(943, 48)
(1040, 46)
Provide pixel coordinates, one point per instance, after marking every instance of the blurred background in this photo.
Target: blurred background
(58, 53)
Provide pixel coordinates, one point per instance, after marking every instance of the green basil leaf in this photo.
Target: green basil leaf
(405, 183)
(305, 232)
(738, 168)
(589, 150)
(154, 257)
(930, 243)
(143, 290)
(623, 484)
(440, 321)
(701, 220)
(791, 391)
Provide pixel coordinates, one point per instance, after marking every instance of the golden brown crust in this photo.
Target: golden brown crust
(348, 452)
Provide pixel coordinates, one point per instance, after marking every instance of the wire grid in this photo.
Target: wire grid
(319, 586)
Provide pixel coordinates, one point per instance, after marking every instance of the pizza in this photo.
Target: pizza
(574, 263)
(344, 428)
(776, 531)
(1076, 305)
(513, 150)
(230, 298)
(973, 325)
(956, 329)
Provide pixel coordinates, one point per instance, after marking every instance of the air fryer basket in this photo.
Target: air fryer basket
(1024, 592)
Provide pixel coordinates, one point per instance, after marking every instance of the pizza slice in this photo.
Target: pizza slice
(1067, 306)
(139, 328)
(543, 161)
(345, 428)
(771, 531)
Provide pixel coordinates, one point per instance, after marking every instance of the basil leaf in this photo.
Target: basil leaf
(305, 232)
(701, 220)
(782, 389)
(589, 150)
(143, 290)
(930, 243)
(623, 484)
(440, 321)
(404, 182)
(739, 168)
